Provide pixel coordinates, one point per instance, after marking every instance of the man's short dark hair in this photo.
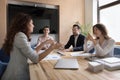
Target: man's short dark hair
(46, 27)
(41, 30)
(75, 25)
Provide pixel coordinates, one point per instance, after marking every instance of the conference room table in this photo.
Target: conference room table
(44, 70)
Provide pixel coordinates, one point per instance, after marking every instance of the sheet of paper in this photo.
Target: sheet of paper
(52, 57)
(81, 54)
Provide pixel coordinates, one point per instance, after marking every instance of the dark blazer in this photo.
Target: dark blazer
(79, 44)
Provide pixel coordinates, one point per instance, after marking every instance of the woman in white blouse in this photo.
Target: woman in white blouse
(102, 44)
(44, 37)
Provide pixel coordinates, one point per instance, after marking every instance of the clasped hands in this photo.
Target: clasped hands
(53, 44)
(89, 37)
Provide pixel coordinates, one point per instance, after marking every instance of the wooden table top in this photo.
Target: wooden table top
(44, 70)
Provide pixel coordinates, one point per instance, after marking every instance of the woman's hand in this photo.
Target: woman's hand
(41, 46)
(89, 37)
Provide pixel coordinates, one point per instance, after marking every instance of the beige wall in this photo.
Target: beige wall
(2, 21)
(71, 11)
(89, 11)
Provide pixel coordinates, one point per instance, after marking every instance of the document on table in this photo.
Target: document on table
(49, 57)
(52, 57)
(111, 63)
(81, 54)
(111, 60)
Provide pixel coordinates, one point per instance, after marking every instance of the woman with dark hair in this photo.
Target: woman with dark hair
(102, 44)
(18, 47)
(44, 37)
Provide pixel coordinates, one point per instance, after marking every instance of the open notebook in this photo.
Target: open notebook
(111, 60)
(110, 63)
(67, 64)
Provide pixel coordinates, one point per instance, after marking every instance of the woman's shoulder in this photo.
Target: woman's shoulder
(51, 37)
(20, 39)
(111, 40)
(20, 35)
(40, 37)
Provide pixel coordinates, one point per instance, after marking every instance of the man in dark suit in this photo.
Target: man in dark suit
(76, 40)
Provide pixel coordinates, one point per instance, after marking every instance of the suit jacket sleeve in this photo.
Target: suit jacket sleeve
(69, 43)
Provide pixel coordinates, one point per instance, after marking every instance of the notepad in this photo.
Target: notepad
(67, 64)
(111, 60)
(111, 63)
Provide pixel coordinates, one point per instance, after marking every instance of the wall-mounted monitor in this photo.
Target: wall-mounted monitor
(42, 15)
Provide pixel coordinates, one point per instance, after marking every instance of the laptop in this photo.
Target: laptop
(67, 64)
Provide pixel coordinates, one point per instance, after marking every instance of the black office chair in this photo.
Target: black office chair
(4, 59)
(117, 52)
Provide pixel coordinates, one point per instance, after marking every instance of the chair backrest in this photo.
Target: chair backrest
(3, 66)
(117, 51)
(4, 57)
(92, 50)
